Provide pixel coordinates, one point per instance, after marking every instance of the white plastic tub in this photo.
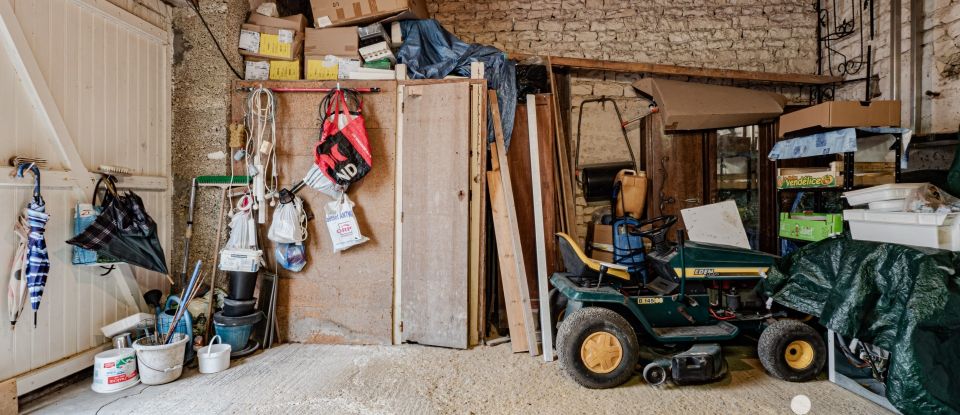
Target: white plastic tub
(895, 205)
(215, 357)
(881, 193)
(932, 230)
(128, 324)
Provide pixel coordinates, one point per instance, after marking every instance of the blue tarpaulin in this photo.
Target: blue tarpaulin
(431, 52)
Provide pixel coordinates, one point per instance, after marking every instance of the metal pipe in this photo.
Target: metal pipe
(916, 63)
(895, 35)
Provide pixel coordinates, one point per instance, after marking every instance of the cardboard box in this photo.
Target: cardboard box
(840, 114)
(320, 69)
(327, 13)
(601, 242)
(274, 70)
(864, 174)
(810, 226)
(272, 38)
(336, 41)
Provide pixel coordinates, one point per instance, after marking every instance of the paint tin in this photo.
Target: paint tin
(115, 370)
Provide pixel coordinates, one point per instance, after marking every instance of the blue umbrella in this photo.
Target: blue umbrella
(38, 260)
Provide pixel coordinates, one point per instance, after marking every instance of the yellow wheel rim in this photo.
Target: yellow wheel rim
(799, 354)
(601, 352)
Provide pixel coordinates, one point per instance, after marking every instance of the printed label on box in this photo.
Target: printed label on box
(285, 36)
(257, 71)
(270, 45)
(250, 41)
(347, 66)
(322, 70)
(285, 70)
(323, 21)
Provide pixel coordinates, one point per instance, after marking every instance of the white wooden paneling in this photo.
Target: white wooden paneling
(108, 74)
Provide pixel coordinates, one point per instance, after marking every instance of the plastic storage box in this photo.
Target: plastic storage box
(810, 226)
(128, 324)
(932, 230)
(881, 193)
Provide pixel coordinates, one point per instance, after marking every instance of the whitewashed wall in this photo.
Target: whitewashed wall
(108, 73)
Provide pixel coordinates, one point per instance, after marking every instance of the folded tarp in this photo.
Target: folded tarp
(903, 299)
(696, 106)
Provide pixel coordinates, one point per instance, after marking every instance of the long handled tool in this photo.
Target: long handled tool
(223, 182)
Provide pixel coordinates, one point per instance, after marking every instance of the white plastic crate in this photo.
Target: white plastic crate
(880, 193)
(932, 230)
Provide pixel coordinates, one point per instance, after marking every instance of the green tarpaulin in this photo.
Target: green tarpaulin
(903, 299)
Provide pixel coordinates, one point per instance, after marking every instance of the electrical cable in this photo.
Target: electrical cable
(195, 4)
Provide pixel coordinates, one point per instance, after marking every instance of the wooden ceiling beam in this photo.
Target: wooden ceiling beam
(676, 70)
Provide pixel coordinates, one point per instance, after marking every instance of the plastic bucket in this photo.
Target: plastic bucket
(163, 363)
(115, 370)
(242, 285)
(235, 331)
(215, 357)
(238, 308)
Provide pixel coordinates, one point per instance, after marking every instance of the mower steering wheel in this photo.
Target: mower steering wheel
(658, 230)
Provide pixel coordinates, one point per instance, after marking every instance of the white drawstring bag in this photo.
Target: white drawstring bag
(342, 224)
(241, 253)
(289, 225)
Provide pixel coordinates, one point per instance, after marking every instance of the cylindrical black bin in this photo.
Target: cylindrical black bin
(242, 285)
(238, 308)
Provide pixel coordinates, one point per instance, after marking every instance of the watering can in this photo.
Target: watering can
(185, 326)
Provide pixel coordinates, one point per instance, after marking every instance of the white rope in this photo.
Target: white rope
(261, 147)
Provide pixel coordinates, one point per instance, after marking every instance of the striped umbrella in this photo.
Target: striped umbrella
(38, 260)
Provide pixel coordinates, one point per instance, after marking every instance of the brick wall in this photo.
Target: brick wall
(774, 36)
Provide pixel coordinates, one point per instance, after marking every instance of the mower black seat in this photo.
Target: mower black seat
(579, 264)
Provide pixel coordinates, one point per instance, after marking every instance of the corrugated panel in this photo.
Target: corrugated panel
(110, 79)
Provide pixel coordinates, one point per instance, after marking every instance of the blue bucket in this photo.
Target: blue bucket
(235, 331)
(237, 336)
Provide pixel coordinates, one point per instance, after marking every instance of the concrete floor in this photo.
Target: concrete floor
(413, 379)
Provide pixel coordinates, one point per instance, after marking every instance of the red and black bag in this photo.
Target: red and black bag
(343, 152)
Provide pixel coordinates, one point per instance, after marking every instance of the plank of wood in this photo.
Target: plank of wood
(478, 202)
(508, 268)
(546, 331)
(519, 158)
(677, 70)
(8, 397)
(529, 323)
(549, 179)
(435, 215)
(567, 191)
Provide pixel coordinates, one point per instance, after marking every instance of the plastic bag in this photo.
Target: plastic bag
(342, 224)
(289, 223)
(319, 181)
(292, 257)
(343, 152)
(242, 226)
(931, 199)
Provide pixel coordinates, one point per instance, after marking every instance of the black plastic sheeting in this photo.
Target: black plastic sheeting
(531, 79)
(903, 299)
(431, 52)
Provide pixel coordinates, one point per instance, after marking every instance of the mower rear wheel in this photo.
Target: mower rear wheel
(597, 348)
(792, 350)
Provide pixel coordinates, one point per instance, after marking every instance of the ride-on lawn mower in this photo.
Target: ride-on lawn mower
(683, 293)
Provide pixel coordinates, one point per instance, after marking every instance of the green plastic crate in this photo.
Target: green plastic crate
(810, 226)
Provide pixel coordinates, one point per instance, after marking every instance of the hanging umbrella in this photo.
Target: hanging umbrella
(38, 260)
(17, 287)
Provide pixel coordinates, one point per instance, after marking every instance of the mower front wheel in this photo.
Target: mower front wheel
(792, 350)
(597, 348)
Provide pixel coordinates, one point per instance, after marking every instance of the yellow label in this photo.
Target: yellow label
(649, 300)
(285, 70)
(270, 45)
(318, 70)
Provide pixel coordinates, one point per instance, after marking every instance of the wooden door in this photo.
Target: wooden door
(435, 156)
(675, 165)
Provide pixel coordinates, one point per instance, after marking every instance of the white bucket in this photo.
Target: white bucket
(114, 370)
(160, 364)
(214, 357)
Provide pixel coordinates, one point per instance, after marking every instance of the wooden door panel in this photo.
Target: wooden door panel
(675, 166)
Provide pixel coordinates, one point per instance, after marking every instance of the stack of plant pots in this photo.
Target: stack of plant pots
(235, 322)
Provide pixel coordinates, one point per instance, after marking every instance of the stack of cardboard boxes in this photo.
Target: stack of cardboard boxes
(345, 43)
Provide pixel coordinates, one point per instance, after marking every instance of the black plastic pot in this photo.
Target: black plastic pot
(237, 308)
(228, 321)
(242, 285)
